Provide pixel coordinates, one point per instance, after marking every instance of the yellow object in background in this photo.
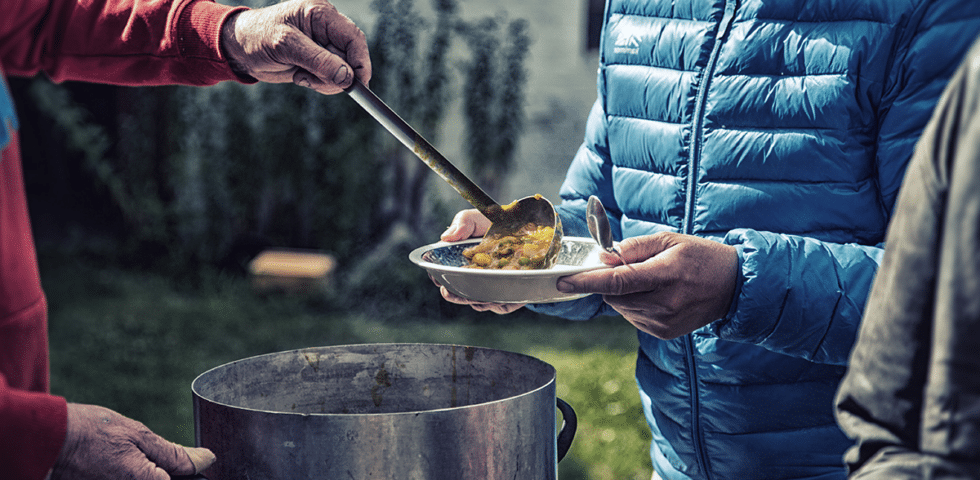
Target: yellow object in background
(292, 271)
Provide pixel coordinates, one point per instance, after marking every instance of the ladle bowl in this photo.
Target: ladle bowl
(513, 217)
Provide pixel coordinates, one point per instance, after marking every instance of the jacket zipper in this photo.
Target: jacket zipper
(688, 225)
(699, 111)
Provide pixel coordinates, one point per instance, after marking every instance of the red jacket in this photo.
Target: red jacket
(124, 42)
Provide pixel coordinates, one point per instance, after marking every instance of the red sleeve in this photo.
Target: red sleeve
(33, 430)
(32, 422)
(123, 42)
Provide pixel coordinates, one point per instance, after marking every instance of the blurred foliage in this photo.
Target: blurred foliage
(495, 79)
(600, 380)
(186, 177)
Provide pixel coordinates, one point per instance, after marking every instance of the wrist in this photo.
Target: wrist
(231, 48)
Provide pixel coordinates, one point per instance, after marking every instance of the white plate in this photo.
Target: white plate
(445, 263)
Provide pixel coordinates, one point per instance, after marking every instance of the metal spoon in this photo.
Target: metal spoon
(507, 220)
(595, 217)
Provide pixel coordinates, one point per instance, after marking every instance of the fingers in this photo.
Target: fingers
(172, 458)
(168, 456)
(466, 224)
(306, 42)
(339, 51)
(614, 258)
(101, 443)
(643, 269)
(498, 308)
(319, 69)
(641, 317)
(201, 458)
(334, 30)
(638, 249)
(148, 471)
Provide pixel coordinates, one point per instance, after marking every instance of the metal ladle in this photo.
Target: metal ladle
(507, 220)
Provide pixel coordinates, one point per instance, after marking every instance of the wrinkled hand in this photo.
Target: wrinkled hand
(306, 42)
(467, 224)
(102, 444)
(678, 283)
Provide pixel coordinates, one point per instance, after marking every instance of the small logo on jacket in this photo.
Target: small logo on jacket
(626, 43)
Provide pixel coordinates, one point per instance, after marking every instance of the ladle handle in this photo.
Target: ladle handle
(420, 147)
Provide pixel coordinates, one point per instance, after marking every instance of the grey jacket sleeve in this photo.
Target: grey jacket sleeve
(911, 397)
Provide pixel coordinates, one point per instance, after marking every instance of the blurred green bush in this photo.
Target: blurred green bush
(180, 177)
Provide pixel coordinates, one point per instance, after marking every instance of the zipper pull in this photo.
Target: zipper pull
(727, 19)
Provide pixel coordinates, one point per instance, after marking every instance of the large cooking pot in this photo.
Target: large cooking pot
(382, 411)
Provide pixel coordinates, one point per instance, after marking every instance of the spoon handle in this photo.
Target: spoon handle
(420, 147)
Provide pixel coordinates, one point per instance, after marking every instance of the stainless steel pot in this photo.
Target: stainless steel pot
(382, 411)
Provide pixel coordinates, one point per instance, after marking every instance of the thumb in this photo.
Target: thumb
(466, 224)
(626, 279)
(175, 459)
(606, 281)
(201, 458)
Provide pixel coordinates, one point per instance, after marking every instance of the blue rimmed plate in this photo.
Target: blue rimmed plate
(445, 263)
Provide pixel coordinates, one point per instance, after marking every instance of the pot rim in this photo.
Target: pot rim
(199, 396)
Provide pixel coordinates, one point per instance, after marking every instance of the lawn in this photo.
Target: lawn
(134, 340)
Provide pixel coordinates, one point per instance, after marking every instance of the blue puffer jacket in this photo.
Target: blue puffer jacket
(782, 127)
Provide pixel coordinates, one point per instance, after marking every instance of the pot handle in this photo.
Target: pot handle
(568, 426)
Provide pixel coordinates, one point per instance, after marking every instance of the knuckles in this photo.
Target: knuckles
(618, 283)
(282, 39)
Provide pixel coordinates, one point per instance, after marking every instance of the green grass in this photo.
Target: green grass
(133, 341)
